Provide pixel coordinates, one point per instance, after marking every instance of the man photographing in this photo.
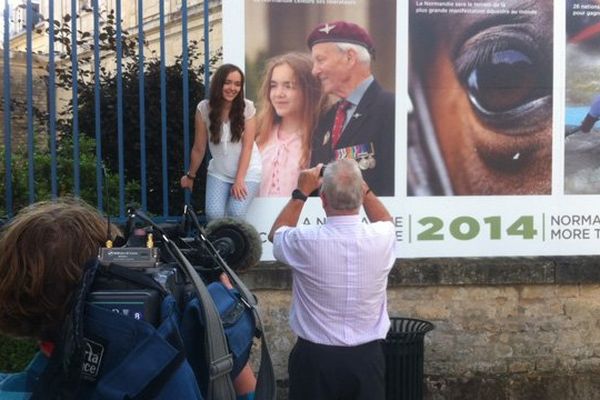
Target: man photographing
(340, 271)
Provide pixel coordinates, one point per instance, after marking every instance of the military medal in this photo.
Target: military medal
(371, 157)
(363, 163)
(364, 154)
(371, 161)
(326, 138)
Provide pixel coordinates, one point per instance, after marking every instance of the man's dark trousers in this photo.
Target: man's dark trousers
(322, 372)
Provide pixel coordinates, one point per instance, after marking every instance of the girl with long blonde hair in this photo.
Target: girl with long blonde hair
(289, 106)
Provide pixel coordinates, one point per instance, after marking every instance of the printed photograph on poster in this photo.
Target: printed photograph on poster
(582, 97)
(480, 83)
(299, 70)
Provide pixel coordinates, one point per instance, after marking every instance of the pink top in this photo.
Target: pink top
(280, 164)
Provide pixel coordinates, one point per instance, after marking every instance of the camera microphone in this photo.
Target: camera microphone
(237, 241)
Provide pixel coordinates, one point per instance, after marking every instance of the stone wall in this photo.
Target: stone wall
(504, 328)
(18, 89)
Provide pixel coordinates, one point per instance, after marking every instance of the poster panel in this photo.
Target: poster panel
(481, 80)
(582, 98)
(480, 159)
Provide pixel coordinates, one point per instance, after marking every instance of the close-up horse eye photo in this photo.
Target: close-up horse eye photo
(480, 83)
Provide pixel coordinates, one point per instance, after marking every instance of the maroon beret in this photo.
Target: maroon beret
(341, 32)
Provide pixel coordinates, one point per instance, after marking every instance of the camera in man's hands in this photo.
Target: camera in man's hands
(322, 171)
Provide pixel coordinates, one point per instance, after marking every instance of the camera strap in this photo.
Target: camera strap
(265, 381)
(60, 379)
(220, 360)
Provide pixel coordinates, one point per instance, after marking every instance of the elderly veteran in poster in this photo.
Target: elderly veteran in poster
(361, 124)
(340, 273)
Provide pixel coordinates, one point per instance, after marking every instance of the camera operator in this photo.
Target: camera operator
(339, 270)
(42, 251)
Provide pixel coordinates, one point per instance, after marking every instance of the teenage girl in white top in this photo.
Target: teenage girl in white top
(226, 121)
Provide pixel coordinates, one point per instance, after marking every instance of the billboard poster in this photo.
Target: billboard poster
(486, 156)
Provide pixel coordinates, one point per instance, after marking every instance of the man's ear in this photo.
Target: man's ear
(351, 56)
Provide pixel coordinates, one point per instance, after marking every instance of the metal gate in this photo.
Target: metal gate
(85, 49)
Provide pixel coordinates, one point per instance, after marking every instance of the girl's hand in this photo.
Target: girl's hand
(239, 190)
(186, 183)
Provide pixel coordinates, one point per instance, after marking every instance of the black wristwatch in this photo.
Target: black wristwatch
(298, 195)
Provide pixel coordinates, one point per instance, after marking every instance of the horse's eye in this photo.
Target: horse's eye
(507, 80)
(507, 75)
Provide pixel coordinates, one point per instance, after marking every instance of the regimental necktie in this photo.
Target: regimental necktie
(338, 123)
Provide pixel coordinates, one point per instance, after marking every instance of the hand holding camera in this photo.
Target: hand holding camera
(309, 180)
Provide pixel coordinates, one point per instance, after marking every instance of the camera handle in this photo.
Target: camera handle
(265, 383)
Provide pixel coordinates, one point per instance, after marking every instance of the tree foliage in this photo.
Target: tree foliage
(42, 161)
(16, 353)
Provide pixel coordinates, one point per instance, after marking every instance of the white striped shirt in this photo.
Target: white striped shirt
(340, 273)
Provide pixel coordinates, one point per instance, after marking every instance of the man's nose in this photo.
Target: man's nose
(315, 70)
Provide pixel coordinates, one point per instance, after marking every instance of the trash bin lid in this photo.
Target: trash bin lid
(409, 326)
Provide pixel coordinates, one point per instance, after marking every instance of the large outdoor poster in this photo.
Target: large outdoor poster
(494, 149)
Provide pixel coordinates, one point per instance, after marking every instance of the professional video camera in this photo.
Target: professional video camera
(224, 242)
(163, 282)
(144, 247)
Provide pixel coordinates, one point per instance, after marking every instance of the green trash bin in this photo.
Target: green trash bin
(403, 349)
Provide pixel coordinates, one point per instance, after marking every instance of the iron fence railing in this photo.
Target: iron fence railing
(51, 131)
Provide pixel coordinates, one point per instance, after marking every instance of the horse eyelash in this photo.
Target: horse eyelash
(478, 55)
(479, 52)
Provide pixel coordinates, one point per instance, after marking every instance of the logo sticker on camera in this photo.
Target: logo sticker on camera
(92, 359)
